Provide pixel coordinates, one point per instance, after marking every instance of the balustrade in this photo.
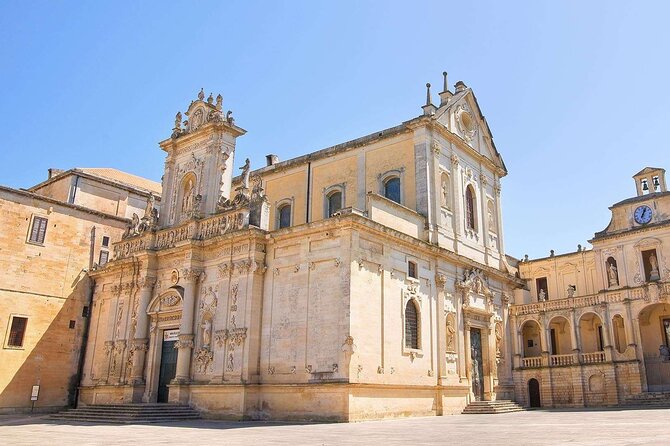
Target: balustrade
(531, 362)
(557, 360)
(593, 358)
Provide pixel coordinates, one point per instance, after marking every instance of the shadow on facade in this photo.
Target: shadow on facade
(52, 362)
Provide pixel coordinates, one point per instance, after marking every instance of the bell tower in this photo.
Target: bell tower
(650, 180)
(199, 162)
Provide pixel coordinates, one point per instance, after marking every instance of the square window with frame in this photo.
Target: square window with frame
(412, 270)
(17, 331)
(38, 230)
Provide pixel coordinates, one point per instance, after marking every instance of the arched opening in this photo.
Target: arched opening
(470, 222)
(530, 333)
(559, 336)
(592, 334)
(612, 272)
(333, 203)
(284, 216)
(655, 334)
(392, 189)
(620, 341)
(411, 325)
(534, 393)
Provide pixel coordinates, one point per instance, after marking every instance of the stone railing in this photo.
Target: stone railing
(192, 230)
(531, 362)
(582, 301)
(558, 360)
(593, 358)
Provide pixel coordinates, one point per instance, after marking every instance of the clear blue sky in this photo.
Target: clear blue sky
(576, 92)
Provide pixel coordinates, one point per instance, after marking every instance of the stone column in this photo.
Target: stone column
(639, 353)
(607, 345)
(577, 346)
(514, 335)
(544, 345)
(440, 281)
(139, 344)
(457, 199)
(468, 353)
(492, 376)
(185, 343)
(628, 326)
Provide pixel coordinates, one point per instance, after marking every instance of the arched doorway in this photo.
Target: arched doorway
(534, 393)
(655, 333)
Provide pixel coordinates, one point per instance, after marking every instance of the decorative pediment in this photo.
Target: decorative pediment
(170, 300)
(474, 281)
(201, 112)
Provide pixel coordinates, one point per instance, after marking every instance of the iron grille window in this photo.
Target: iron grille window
(17, 331)
(285, 216)
(334, 203)
(392, 189)
(411, 326)
(469, 208)
(39, 230)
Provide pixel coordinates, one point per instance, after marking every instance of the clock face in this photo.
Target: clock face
(642, 215)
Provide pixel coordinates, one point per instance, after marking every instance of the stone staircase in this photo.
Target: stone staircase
(128, 414)
(648, 399)
(492, 407)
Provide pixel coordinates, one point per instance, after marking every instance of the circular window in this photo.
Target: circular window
(467, 122)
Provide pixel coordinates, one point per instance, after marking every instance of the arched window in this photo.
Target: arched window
(392, 189)
(334, 203)
(470, 208)
(411, 325)
(284, 220)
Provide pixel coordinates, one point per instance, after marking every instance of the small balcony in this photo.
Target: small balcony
(563, 360)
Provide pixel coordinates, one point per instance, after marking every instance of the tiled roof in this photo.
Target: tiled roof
(123, 177)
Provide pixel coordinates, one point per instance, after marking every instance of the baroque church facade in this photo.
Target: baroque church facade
(365, 280)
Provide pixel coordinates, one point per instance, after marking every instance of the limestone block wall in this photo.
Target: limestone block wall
(47, 284)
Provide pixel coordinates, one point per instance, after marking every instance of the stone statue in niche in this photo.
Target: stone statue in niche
(542, 295)
(451, 332)
(189, 196)
(491, 221)
(499, 339)
(206, 333)
(445, 193)
(571, 290)
(612, 274)
(653, 262)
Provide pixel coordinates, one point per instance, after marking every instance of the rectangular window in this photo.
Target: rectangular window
(17, 331)
(72, 324)
(105, 241)
(104, 256)
(554, 343)
(39, 230)
(542, 290)
(600, 338)
(412, 270)
(666, 332)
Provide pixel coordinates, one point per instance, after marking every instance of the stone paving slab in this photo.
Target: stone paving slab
(585, 427)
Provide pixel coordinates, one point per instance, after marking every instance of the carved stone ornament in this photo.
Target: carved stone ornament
(451, 332)
(454, 159)
(169, 300)
(349, 347)
(475, 281)
(203, 360)
(440, 280)
(174, 277)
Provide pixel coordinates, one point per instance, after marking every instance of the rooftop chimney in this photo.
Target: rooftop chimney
(53, 172)
(271, 159)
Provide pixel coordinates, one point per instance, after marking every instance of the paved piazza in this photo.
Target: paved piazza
(596, 427)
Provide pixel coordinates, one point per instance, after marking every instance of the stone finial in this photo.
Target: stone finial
(551, 253)
(429, 108)
(460, 86)
(201, 95)
(177, 121)
(210, 98)
(219, 102)
(525, 258)
(445, 94)
(579, 248)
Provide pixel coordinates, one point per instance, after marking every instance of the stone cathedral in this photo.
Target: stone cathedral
(365, 280)
(369, 280)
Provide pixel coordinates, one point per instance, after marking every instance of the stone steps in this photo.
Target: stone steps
(649, 399)
(492, 407)
(128, 414)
